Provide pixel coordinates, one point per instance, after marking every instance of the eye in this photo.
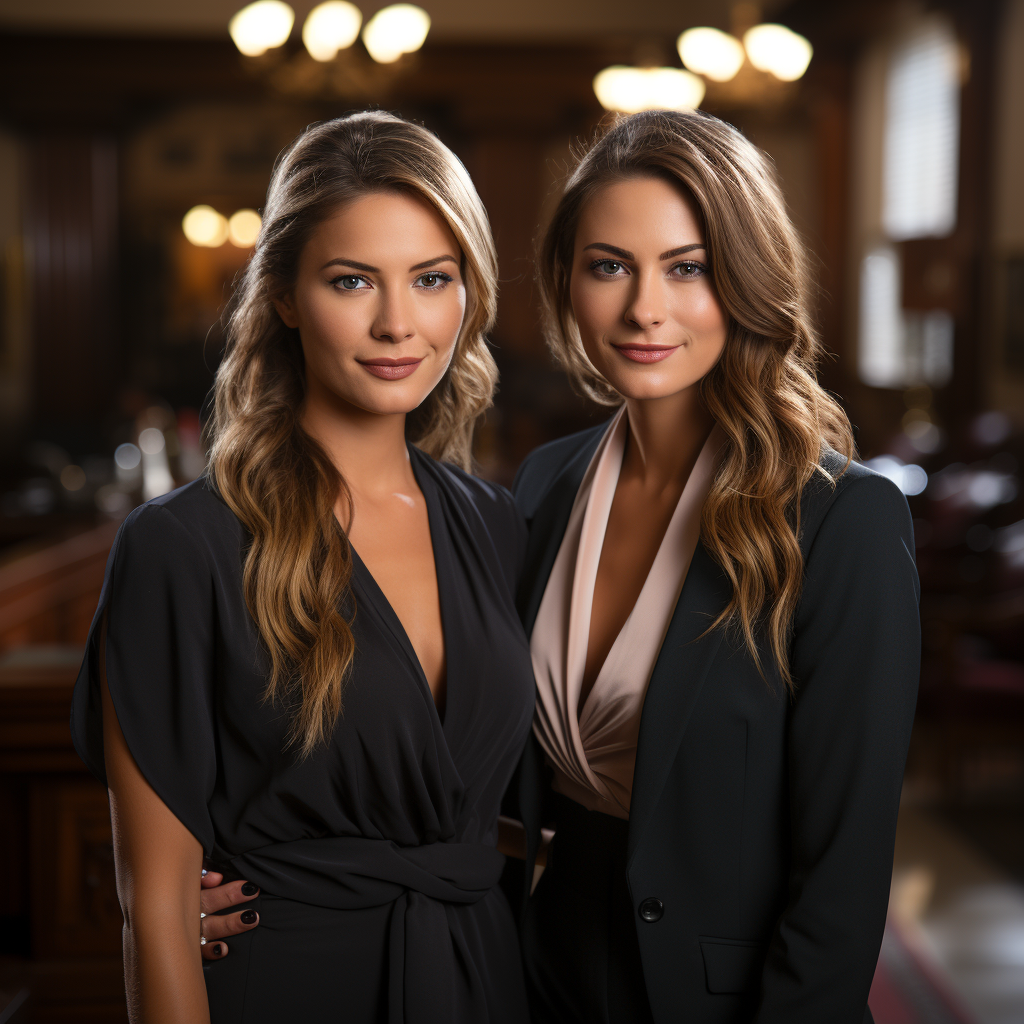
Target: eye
(608, 268)
(433, 281)
(351, 283)
(690, 268)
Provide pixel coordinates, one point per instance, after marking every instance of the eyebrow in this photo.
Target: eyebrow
(356, 265)
(627, 255)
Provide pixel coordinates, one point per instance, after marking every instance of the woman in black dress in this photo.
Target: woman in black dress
(307, 665)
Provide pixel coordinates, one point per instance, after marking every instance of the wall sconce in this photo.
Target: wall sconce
(330, 27)
(208, 229)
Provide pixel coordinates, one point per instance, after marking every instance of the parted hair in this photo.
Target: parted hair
(272, 474)
(763, 391)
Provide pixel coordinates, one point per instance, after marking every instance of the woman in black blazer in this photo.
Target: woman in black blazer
(749, 879)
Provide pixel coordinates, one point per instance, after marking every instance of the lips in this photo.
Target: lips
(391, 369)
(645, 353)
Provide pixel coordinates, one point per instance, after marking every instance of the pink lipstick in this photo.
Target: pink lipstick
(645, 353)
(392, 369)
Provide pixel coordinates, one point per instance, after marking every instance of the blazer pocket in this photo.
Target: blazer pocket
(731, 965)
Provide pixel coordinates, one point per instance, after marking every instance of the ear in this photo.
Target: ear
(285, 306)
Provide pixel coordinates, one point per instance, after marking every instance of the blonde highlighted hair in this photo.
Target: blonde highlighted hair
(763, 391)
(275, 477)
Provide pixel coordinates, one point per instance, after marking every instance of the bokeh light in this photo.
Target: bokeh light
(204, 226)
(72, 478)
(244, 228)
(261, 26)
(330, 27)
(778, 50)
(711, 52)
(395, 30)
(628, 90)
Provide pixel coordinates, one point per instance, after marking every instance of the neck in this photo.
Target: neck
(368, 449)
(665, 437)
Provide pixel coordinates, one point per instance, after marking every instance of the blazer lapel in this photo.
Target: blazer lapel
(679, 673)
(547, 529)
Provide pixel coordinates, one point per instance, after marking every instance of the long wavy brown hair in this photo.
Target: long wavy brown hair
(273, 475)
(763, 391)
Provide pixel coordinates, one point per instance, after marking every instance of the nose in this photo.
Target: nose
(393, 322)
(647, 307)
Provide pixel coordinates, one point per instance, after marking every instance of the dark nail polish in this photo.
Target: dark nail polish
(250, 889)
(218, 950)
(249, 917)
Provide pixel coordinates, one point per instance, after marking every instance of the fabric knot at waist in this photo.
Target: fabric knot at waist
(427, 980)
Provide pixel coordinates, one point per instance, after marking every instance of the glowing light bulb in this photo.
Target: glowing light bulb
(778, 50)
(204, 226)
(330, 27)
(629, 90)
(261, 26)
(709, 52)
(398, 29)
(244, 228)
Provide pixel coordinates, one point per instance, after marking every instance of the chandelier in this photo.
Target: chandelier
(773, 52)
(329, 62)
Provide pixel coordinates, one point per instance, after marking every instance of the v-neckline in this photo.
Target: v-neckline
(595, 522)
(391, 617)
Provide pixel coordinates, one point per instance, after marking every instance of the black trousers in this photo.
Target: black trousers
(581, 954)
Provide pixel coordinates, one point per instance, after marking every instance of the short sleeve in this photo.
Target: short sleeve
(158, 599)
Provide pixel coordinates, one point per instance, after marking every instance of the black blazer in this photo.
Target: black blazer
(763, 824)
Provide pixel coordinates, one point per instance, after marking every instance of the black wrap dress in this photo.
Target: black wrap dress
(376, 857)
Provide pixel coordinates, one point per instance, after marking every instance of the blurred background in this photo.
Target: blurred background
(136, 143)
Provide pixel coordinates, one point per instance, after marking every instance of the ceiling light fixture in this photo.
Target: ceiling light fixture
(628, 90)
(711, 52)
(330, 27)
(778, 50)
(261, 26)
(394, 31)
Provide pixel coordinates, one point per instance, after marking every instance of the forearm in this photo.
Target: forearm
(163, 969)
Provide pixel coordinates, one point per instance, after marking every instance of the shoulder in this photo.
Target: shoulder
(851, 503)
(191, 521)
(543, 465)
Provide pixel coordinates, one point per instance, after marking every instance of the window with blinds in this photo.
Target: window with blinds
(920, 136)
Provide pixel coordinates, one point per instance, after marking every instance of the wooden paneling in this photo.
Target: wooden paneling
(74, 901)
(49, 597)
(71, 229)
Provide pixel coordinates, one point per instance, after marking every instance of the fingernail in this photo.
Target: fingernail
(218, 950)
(204, 872)
(249, 917)
(250, 889)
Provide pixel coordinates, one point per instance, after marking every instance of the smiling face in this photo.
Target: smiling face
(641, 292)
(378, 301)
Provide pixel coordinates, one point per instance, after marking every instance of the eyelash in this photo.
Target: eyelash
(700, 267)
(443, 280)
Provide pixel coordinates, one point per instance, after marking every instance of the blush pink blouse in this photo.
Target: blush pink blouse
(593, 753)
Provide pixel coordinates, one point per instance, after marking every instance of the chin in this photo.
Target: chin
(643, 385)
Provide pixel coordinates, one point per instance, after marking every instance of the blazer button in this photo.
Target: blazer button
(651, 909)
